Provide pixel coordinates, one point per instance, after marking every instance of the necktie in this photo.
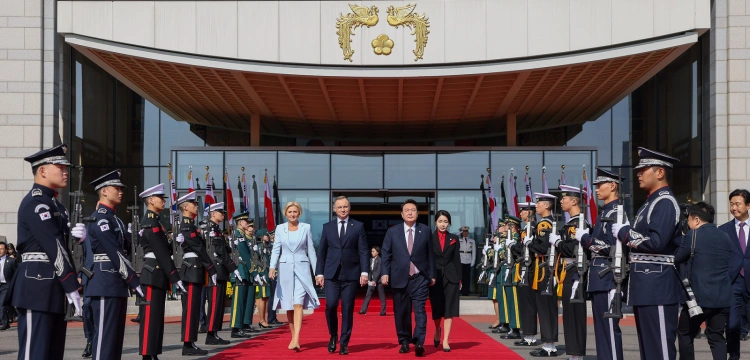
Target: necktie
(742, 245)
(342, 231)
(410, 245)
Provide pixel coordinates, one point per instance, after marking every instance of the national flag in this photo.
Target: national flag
(545, 189)
(513, 205)
(527, 180)
(276, 200)
(504, 207)
(172, 196)
(589, 198)
(485, 210)
(255, 206)
(562, 182)
(230, 199)
(245, 198)
(268, 204)
(243, 207)
(209, 194)
(492, 203)
(191, 184)
(379, 225)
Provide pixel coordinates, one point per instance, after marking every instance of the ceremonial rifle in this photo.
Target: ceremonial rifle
(580, 294)
(483, 265)
(618, 265)
(75, 250)
(526, 255)
(510, 260)
(136, 251)
(549, 290)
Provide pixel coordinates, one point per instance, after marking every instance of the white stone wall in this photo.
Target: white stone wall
(27, 96)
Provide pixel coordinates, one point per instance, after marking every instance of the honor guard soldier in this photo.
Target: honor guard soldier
(195, 264)
(467, 248)
(239, 297)
(215, 292)
(40, 295)
(526, 301)
(574, 309)
(113, 274)
(509, 311)
(262, 254)
(607, 332)
(158, 272)
(654, 290)
(492, 271)
(545, 297)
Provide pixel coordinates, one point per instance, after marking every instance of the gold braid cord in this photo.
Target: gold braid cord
(419, 24)
(345, 24)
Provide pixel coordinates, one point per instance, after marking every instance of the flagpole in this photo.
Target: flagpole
(484, 204)
(257, 211)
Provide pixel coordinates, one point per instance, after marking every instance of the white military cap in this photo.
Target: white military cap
(157, 190)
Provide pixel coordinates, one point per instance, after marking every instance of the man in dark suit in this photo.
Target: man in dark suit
(8, 267)
(708, 271)
(409, 267)
(738, 230)
(342, 260)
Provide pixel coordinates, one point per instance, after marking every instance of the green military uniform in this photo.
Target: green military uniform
(508, 299)
(241, 303)
(261, 263)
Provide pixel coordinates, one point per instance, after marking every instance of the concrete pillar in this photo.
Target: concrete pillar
(255, 129)
(510, 130)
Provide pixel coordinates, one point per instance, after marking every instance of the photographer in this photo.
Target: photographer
(703, 259)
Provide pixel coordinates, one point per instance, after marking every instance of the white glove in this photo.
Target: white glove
(140, 232)
(237, 274)
(485, 248)
(79, 231)
(611, 295)
(616, 228)
(75, 299)
(265, 279)
(553, 239)
(139, 291)
(181, 286)
(180, 238)
(255, 247)
(527, 240)
(213, 278)
(573, 290)
(236, 242)
(509, 242)
(579, 234)
(258, 280)
(130, 228)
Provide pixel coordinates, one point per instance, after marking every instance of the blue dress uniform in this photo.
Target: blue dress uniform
(113, 275)
(215, 292)
(608, 335)
(195, 264)
(239, 297)
(88, 315)
(654, 288)
(46, 272)
(574, 314)
(158, 272)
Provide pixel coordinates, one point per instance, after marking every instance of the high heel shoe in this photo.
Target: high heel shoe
(446, 349)
(439, 333)
(264, 326)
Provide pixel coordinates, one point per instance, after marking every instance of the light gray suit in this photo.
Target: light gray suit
(294, 259)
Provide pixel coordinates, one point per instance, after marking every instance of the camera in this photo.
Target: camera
(693, 307)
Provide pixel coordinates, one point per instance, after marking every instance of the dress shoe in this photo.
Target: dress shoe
(544, 353)
(404, 348)
(361, 313)
(501, 330)
(87, 351)
(523, 342)
(382, 314)
(743, 337)
(344, 350)
(511, 335)
(494, 326)
(276, 322)
(202, 330)
(5, 327)
(264, 326)
(419, 350)
(213, 339)
(190, 349)
(239, 334)
(248, 329)
(135, 319)
(332, 345)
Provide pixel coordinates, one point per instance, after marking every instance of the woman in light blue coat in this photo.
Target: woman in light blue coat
(292, 259)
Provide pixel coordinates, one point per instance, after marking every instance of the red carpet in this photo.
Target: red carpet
(373, 337)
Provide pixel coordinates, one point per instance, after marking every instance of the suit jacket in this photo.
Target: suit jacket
(737, 260)
(710, 273)
(11, 265)
(374, 274)
(350, 252)
(448, 260)
(396, 256)
(294, 255)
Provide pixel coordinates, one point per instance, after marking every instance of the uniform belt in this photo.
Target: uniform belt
(149, 255)
(189, 255)
(651, 258)
(570, 260)
(34, 256)
(101, 257)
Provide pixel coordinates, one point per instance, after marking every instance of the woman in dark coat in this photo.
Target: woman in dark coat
(444, 295)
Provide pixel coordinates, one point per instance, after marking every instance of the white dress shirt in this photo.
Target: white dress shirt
(338, 223)
(746, 229)
(414, 237)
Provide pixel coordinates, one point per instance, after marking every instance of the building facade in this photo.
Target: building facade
(337, 97)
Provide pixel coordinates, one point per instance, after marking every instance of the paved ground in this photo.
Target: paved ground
(172, 347)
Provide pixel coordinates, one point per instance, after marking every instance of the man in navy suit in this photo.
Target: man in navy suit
(342, 260)
(738, 230)
(409, 267)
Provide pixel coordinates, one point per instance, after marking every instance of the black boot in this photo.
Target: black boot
(212, 338)
(87, 350)
(190, 349)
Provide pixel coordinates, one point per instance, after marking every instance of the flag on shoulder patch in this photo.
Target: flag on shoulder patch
(45, 215)
(104, 227)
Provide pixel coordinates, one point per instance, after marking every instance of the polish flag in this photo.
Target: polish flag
(268, 204)
(230, 198)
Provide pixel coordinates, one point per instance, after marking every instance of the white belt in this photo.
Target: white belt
(570, 260)
(189, 255)
(651, 258)
(34, 256)
(101, 257)
(149, 255)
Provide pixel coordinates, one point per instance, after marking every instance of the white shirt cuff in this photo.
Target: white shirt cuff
(363, 274)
